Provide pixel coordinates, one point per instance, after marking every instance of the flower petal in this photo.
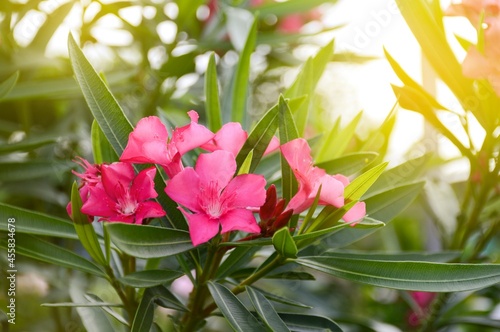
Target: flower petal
(143, 186)
(216, 168)
(191, 136)
(239, 220)
(184, 188)
(230, 137)
(298, 155)
(115, 176)
(148, 209)
(201, 227)
(332, 191)
(357, 212)
(246, 190)
(99, 203)
(147, 143)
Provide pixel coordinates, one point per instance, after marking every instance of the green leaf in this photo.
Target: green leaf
(84, 228)
(52, 23)
(309, 323)
(101, 149)
(360, 185)
(442, 257)
(7, 85)
(94, 299)
(476, 321)
(36, 223)
(288, 131)
(242, 75)
(245, 167)
(212, 104)
(384, 206)
(289, 7)
(284, 243)
(19, 171)
(282, 300)
(148, 241)
(101, 102)
(259, 139)
(291, 275)
(266, 311)
(149, 278)
(84, 304)
(235, 312)
(415, 276)
(143, 318)
(304, 86)
(27, 145)
(238, 257)
(44, 251)
(164, 298)
(405, 173)
(335, 143)
(348, 164)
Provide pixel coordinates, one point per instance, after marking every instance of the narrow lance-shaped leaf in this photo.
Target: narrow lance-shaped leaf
(84, 228)
(149, 278)
(348, 164)
(143, 318)
(212, 103)
(242, 75)
(284, 243)
(266, 311)
(360, 185)
(237, 315)
(36, 223)
(101, 149)
(301, 322)
(415, 276)
(7, 85)
(148, 241)
(288, 131)
(44, 251)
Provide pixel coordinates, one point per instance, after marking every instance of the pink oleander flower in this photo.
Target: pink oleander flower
(298, 155)
(149, 143)
(231, 137)
(122, 196)
(482, 65)
(216, 199)
(90, 177)
(423, 300)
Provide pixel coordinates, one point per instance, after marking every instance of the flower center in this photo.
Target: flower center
(127, 204)
(211, 201)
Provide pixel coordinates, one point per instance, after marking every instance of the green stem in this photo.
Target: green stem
(129, 304)
(433, 312)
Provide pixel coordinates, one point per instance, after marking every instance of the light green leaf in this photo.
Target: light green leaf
(355, 190)
(335, 143)
(237, 315)
(149, 278)
(242, 75)
(52, 23)
(348, 164)
(415, 276)
(44, 251)
(289, 7)
(19, 171)
(7, 85)
(36, 223)
(309, 323)
(284, 243)
(259, 139)
(101, 149)
(245, 167)
(266, 311)
(148, 241)
(212, 103)
(84, 228)
(27, 145)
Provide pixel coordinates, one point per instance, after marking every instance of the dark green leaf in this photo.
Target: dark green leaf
(284, 243)
(242, 75)
(36, 223)
(148, 241)
(149, 278)
(282, 300)
(476, 321)
(84, 228)
(238, 257)
(235, 312)
(212, 103)
(164, 298)
(266, 311)
(415, 276)
(27, 145)
(309, 323)
(44, 251)
(442, 257)
(143, 318)
(291, 275)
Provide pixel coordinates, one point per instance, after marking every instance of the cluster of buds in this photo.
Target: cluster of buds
(272, 214)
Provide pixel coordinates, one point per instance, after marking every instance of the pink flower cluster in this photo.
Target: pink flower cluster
(211, 196)
(482, 64)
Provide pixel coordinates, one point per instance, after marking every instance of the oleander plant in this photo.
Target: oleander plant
(134, 203)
